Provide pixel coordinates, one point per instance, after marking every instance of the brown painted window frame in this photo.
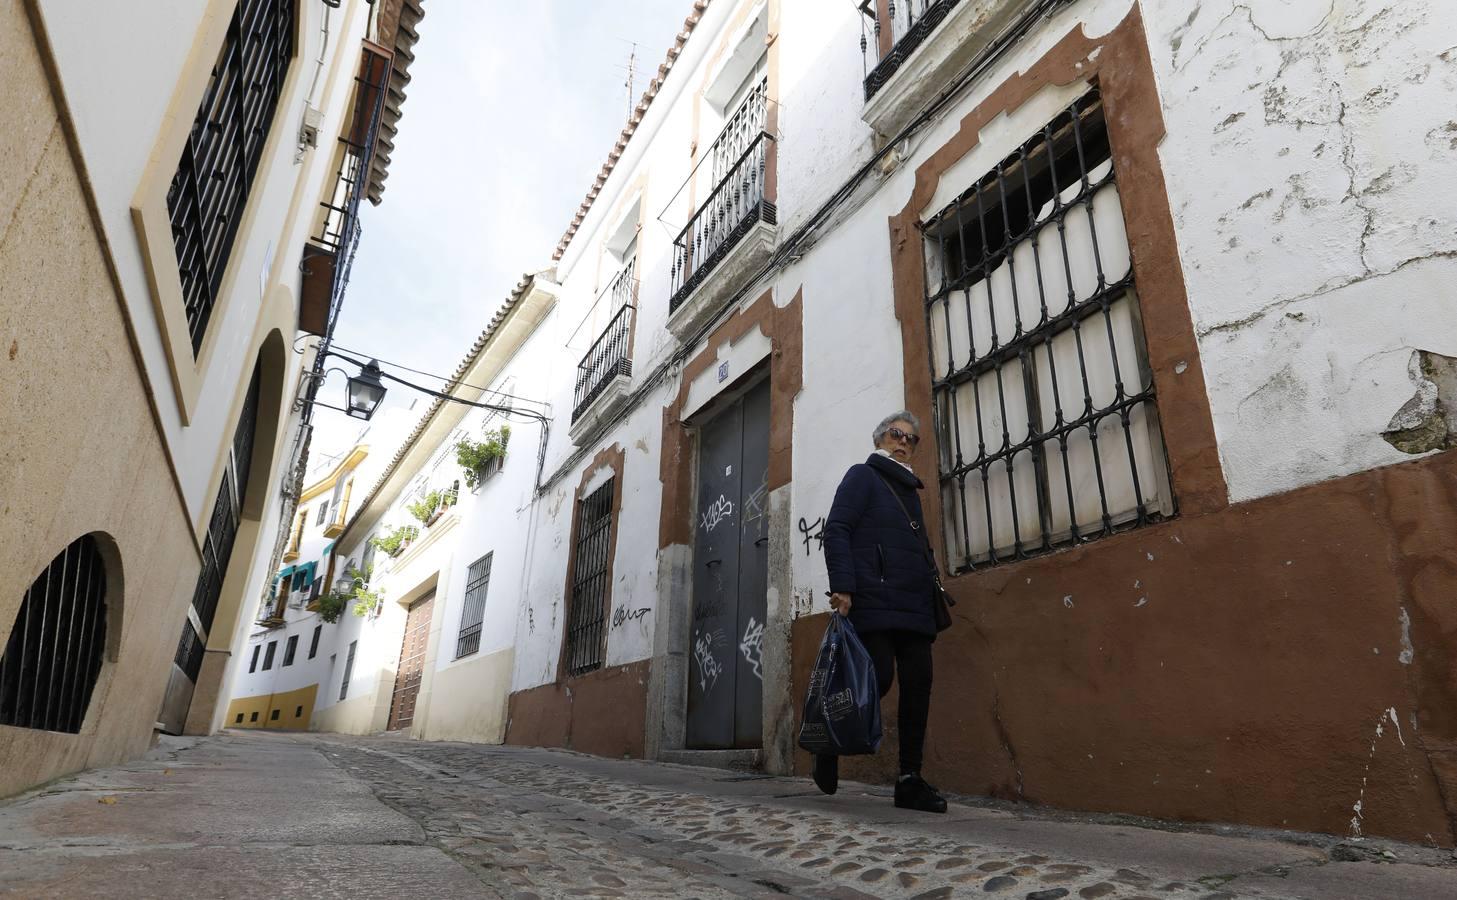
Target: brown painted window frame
(1081, 129)
(1120, 62)
(613, 457)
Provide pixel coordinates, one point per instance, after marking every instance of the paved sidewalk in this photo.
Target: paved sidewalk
(250, 814)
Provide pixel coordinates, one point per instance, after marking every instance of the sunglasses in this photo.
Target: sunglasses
(912, 439)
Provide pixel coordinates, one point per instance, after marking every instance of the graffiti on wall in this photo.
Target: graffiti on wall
(752, 646)
(718, 511)
(812, 532)
(706, 659)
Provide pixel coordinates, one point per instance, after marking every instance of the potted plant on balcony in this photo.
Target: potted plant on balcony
(477, 457)
(396, 541)
(427, 509)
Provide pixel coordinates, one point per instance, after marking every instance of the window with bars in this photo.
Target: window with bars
(53, 656)
(253, 663)
(477, 580)
(268, 655)
(587, 616)
(314, 644)
(290, 650)
(1044, 401)
(214, 177)
(323, 513)
(222, 532)
(348, 671)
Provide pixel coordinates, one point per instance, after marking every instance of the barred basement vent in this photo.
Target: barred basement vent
(55, 649)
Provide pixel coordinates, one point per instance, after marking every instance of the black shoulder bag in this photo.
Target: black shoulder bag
(941, 601)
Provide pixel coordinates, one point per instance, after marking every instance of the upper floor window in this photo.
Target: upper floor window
(219, 163)
(1046, 417)
(892, 31)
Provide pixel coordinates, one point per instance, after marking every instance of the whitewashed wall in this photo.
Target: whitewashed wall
(118, 92)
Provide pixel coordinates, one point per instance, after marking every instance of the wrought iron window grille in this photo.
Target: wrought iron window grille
(736, 202)
(53, 656)
(611, 354)
(290, 650)
(1044, 402)
(587, 616)
(348, 670)
(215, 175)
(268, 655)
(473, 613)
(909, 22)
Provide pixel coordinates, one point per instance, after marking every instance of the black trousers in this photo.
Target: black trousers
(909, 652)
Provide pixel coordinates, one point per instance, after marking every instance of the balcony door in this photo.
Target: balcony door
(730, 578)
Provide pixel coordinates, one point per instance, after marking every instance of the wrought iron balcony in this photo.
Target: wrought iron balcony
(736, 203)
(329, 253)
(897, 28)
(611, 355)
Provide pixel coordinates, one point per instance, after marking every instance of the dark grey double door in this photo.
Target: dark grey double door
(730, 578)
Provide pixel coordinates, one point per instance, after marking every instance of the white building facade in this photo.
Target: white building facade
(186, 158)
(1168, 299)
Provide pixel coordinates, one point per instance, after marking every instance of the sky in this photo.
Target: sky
(510, 112)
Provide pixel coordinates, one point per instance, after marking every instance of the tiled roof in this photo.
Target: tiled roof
(654, 86)
(398, 20)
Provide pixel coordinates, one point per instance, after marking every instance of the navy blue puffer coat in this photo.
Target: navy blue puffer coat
(873, 554)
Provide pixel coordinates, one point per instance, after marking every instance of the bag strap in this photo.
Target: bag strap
(915, 526)
(925, 541)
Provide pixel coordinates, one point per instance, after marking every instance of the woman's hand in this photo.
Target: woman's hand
(840, 603)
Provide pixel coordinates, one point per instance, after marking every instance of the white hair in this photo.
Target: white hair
(884, 426)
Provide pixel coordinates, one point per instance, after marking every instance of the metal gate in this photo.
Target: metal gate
(412, 663)
(730, 578)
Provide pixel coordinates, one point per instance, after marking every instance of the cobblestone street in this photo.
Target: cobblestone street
(326, 816)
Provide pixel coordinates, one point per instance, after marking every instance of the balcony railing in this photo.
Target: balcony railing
(897, 28)
(611, 355)
(736, 203)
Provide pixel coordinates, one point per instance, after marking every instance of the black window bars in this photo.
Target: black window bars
(736, 202)
(209, 191)
(909, 22)
(611, 354)
(587, 614)
(348, 671)
(222, 532)
(53, 656)
(473, 613)
(1044, 401)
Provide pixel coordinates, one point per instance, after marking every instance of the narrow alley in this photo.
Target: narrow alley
(294, 815)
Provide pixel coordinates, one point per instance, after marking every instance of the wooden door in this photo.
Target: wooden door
(412, 663)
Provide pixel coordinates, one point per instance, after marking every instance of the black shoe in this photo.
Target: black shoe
(912, 792)
(827, 773)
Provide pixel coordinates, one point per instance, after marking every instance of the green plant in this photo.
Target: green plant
(424, 508)
(396, 540)
(331, 605)
(475, 456)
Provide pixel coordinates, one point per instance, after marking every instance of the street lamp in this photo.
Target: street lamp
(365, 391)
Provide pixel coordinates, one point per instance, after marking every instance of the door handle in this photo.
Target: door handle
(762, 541)
(713, 562)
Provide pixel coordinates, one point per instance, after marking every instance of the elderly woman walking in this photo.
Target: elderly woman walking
(882, 577)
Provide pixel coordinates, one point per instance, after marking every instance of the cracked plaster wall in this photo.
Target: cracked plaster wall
(1311, 161)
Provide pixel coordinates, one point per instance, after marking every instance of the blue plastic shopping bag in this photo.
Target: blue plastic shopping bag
(842, 708)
